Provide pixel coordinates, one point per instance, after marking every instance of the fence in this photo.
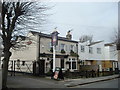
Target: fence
(20, 66)
(88, 74)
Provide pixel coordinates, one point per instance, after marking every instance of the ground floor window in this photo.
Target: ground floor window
(62, 63)
(73, 65)
(51, 64)
(70, 65)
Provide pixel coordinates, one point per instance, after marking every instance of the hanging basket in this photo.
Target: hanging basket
(68, 62)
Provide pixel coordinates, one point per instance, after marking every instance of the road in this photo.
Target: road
(33, 82)
(104, 84)
(21, 81)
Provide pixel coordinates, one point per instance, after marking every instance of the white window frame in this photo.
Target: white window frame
(91, 50)
(62, 47)
(82, 48)
(99, 51)
(71, 60)
(72, 47)
(49, 45)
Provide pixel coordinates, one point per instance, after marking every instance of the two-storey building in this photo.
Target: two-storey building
(37, 47)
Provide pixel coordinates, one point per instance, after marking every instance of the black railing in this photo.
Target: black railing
(88, 74)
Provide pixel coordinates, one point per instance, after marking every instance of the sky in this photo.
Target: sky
(99, 19)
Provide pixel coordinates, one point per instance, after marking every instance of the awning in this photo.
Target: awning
(51, 55)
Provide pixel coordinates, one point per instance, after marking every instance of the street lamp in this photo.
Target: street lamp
(54, 42)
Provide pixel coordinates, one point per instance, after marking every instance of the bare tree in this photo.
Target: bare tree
(116, 40)
(17, 18)
(118, 49)
(0, 12)
(85, 38)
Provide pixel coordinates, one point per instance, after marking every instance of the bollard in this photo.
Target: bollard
(98, 73)
(11, 68)
(86, 74)
(14, 68)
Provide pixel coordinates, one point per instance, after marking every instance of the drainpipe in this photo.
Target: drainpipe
(77, 56)
(71, 64)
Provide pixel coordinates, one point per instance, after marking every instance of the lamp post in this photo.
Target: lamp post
(54, 42)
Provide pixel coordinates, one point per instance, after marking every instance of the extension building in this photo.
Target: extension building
(97, 55)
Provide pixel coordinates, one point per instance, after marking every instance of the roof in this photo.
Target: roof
(93, 43)
(110, 44)
(49, 36)
(20, 36)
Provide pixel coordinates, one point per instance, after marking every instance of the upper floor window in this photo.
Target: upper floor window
(69, 59)
(99, 50)
(72, 47)
(57, 48)
(62, 46)
(82, 48)
(73, 59)
(90, 50)
(66, 48)
(49, 45)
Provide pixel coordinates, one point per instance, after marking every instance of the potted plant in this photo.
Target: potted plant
(62, 51)
(51, 49)
(67, 62)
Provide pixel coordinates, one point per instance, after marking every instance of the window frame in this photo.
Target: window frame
(91, 50)
(99, 51)
(72, 47)
(82, 48)
(62, 47)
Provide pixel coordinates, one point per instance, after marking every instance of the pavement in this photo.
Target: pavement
(83, 81)
(41, 82)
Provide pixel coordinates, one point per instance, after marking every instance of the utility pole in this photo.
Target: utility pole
(54, 42)
(53, 58)
(71, 64)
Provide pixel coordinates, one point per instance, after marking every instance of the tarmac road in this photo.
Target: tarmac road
(33, 82)
(24, 81)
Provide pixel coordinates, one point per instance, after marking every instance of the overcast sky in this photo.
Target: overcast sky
(99, 19)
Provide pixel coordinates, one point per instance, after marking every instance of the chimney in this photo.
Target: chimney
(69, 36)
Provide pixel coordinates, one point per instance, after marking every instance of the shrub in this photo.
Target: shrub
(72, 53)
(49, 73)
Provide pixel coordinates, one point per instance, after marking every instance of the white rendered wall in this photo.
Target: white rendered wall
(91, 56)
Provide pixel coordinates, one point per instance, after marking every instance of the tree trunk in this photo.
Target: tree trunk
(5, 69)
(119, 60)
